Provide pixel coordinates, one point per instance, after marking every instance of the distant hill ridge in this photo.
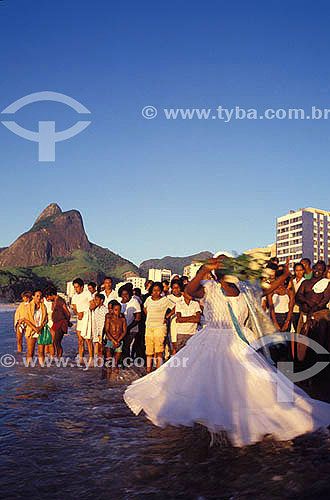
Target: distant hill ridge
(175, 264)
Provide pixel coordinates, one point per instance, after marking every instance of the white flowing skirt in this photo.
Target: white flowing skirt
(219, 381)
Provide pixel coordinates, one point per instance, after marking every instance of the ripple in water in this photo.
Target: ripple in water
(67, 434)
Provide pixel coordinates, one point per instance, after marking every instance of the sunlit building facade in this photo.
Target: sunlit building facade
(191, 270)
(268, 251)
(137, 282)
(159, 274)
(303, 233)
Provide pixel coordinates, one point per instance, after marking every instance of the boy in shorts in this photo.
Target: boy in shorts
(115, 331)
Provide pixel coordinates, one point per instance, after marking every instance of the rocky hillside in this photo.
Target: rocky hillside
(56, 249)
(54, 234)
(175, 264)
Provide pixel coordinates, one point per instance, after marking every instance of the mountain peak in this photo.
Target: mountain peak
(52, 209)
(54, 234)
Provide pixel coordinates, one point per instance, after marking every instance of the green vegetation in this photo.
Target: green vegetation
(92, 265)
(12, 275)
(15, 280)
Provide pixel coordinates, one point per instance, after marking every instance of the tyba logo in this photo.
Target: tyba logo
(285, 387)
(46, 136)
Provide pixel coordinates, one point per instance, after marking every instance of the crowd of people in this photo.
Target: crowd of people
(111, 325)
(153, 326)
(301, 305)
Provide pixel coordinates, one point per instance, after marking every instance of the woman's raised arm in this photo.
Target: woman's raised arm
(280, 280)
(194, 287)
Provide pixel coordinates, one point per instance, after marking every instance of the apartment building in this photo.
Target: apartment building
(159, 274)
(137, 282)
(303, 233)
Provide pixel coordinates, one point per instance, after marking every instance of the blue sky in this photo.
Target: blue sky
(149, 188)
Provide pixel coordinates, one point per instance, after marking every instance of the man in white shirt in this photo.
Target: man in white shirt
(108, 292)
(81, 302)
(174, 297)
(188, 315)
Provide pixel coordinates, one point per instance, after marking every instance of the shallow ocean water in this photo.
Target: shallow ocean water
(67, 434)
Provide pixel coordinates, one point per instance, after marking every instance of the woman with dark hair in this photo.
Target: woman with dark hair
(19, 319)
(299, 272)
(60, 318)
(220, 381)
(175, 297)
(137, 294)
(147, 286)
(184, 280)
(35, 319)
(281, 304)
(155, 308)
(307, 267)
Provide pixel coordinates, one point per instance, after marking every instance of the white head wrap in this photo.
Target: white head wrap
(227, 254)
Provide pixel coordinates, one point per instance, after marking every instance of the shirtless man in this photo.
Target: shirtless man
(313, 297)
(115, 330)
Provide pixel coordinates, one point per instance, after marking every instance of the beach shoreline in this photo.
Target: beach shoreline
(4, 307)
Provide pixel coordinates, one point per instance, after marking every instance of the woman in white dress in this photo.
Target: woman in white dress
(218, 380)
